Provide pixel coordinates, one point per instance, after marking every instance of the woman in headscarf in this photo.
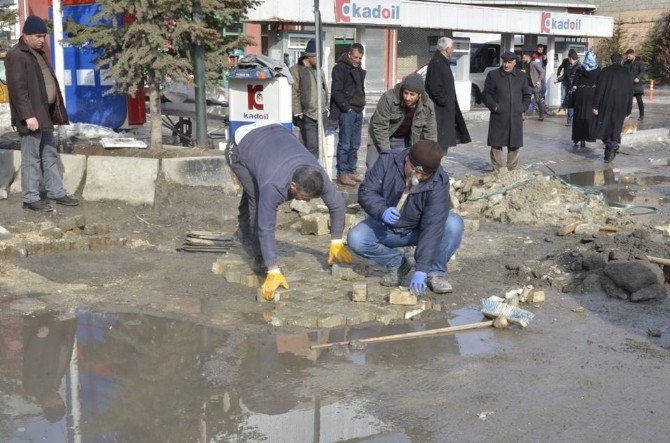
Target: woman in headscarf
(584, 88)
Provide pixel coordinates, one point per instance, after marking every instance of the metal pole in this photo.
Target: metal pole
(319, 85)
(59, 60)
(199, 68)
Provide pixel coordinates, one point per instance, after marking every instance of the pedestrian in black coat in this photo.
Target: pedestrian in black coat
(584, 89)
(451, 128)
(507, 95)
(612, 104)
(636, 68)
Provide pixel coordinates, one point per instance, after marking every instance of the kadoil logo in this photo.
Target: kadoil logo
(347, 11)
(255, 103)
(562, 22)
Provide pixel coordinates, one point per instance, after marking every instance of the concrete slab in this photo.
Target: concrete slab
(645, 136)
(73, 169)
(10, 163)
(132, 180)
(199, 171)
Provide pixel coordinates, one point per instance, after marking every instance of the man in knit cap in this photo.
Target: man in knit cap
(37, 106)
(404, 115)
(406, 197)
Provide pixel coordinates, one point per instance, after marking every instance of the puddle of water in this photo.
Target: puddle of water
(621, 188)
(126, 377)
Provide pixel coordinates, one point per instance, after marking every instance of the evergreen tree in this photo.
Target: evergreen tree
(612, 45)
(154, 42)
(663, 50)
(8, 18)
(648, 51)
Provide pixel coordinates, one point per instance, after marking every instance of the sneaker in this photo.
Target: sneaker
(39, 206)
(65, 200)
(345, 180)
(439, 285)
(395, 277)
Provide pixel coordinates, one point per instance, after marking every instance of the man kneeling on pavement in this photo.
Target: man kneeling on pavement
(273, 167)
(406, 197)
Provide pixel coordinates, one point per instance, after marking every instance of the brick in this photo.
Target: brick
(399, 296)
(24, 227)
(72, 223)
(220, 266)
(359, 292)
(331, 321)
(314, 224)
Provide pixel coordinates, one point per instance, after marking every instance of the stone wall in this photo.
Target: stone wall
(638, 17)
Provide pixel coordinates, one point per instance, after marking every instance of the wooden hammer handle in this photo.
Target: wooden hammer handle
(658, 260)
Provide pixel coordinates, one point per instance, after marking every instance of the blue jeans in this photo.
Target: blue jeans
(375, 240)
(39, 162)
(349, 141)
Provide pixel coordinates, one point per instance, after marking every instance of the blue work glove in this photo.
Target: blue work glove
(391, 216)
(418, 284)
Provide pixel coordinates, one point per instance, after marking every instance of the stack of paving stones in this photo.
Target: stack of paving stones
(70, 234)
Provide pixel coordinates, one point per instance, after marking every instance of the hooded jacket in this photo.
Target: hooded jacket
(426, 207)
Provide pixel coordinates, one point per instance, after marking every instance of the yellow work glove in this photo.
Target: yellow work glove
(273, 280)
(338, 251)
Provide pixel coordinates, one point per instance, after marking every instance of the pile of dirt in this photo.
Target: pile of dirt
(522, 197)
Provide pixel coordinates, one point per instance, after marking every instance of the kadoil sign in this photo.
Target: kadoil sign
(367, 11)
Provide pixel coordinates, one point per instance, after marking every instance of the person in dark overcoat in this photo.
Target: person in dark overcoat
(451, 128)
(584, 88)
(507, 95)
(612, 104)
(635, 66)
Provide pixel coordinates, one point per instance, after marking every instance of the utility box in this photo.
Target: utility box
(256, 95)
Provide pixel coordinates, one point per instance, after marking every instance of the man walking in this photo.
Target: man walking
(404, 115)
(347, 101)
(612, 104)
(406, 198)
(273, 167)
(507, 95)
(451, 128)
(36, 106)
(305, 99)
(635, 66)
(535, 77)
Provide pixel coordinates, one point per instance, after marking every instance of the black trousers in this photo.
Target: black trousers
(640, 104)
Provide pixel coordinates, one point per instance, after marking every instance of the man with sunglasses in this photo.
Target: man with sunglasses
(406, 197)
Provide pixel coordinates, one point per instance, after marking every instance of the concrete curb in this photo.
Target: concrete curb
(199, 171)
(646, 135)
(128, 179)
(10, 164)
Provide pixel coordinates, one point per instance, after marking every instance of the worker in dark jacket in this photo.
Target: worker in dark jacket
(347, 101)
(612, 104)
(635, 66)
(406, 198)
(507, 95)
(451, 128)
(36, 105)
(273, 167)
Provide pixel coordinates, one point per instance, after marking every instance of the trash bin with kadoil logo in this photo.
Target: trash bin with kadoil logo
(256, 95)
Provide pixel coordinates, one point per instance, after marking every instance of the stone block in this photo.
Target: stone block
(73, 170)
(315, 224)
(212, 171)
(24, 227)
(331, 321)
(302, 321)
(96, 229)
(251, 281)
(101, 243)
(568, 229)
(587, 229)
(301, 206)
(359, 292)
(359, 316)
(221, 265)
(471, 225)
(233, 275)
(411, 313)
(52, 232)
(132, 180)
(72, 223)
(537, 297)
(400, 296)
(343, 272)
(35, 248)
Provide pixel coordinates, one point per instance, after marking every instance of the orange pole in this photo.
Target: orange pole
(651, 90)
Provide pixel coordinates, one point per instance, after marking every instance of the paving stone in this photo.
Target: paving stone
(359, 292)
(301, 206)
(359, 316)
(537, 297)
(251, 281)
(386, 314)
(72, 223)
(331, 321)
(96, 229)
(233, 275)
(314, 224)
(35, 248)
(343, 272)
(587, 229)
(306, 321)
(24, 227)
(568, 229)
(101, 243)
(52, 232)
(411, 313)
(400, 296)
(471, 225)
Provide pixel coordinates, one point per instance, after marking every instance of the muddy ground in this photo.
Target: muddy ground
(193, 355)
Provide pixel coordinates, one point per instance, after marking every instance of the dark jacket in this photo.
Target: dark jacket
(614, 101)
(271, 154)
(426, 207)
(27, 92)
(636, 69)
(507, 96)
(390, 113)
(451, 128)
(343, 87)
(583, 123)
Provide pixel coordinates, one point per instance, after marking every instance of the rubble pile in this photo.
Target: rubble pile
(523, 197)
